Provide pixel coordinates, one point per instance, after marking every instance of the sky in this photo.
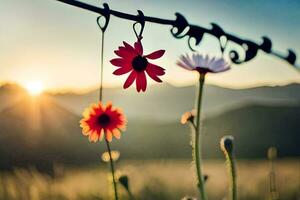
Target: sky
(59, 45)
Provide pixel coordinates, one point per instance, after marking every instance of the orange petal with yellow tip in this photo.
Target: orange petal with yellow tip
(108, 105)
(101, 135)
(86, 113)
(85, 130)
(122, 127)
(93, 136)
(117, 133)
(108, 136)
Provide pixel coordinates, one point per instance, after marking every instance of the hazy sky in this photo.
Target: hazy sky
(60, 45)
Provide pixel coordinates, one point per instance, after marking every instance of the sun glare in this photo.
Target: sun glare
(34, 88)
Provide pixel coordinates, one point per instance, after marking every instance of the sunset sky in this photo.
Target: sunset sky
(59, 45)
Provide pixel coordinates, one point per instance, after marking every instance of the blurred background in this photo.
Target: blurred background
(49, 72)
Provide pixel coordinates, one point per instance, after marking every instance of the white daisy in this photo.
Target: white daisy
(203, 64)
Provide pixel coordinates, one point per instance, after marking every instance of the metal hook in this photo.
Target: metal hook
(141, 21)
(106, 15)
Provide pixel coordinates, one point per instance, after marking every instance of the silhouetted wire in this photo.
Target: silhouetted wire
(181, 29)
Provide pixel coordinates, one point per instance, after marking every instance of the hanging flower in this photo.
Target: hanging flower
(203, 64)
(134, 61)
(99, 120)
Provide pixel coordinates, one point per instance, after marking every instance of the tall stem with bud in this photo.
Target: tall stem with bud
(227, 147)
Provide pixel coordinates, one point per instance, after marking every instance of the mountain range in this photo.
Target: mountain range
(168, 103)
(44, 130)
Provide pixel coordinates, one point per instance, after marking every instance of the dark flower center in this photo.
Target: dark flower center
(103, 119)
(139, 63)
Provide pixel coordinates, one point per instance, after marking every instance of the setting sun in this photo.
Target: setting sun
(34, 88)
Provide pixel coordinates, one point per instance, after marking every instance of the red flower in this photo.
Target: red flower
(132, 60)
(99, 120)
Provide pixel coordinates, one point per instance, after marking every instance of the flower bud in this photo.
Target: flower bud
(188, 117)
(226, 144)
(124, 181)
(272, 153)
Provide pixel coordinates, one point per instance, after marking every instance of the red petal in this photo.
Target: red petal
(130, 79)
(155, 54)
(122, 70)
(124, 53)
(138, 47)
(152, 74)
(128, 47)
(120, 62)
(141, 81)
(157, 70)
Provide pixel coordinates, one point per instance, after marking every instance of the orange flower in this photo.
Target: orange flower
(99, 120)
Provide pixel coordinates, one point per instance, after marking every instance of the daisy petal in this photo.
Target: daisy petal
(141, 81)
(155, 54)
(122, 70)
(108, 136)
(122, 52)
(138, 47)
(152, 74)
(119, 62)
(93, 136)
(117, 133)
(128, 47)
(159, 71)
(184, 66)
(130, 79)
(101, 134)
(86, 130)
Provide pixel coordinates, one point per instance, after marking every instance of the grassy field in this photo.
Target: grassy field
(150, 180)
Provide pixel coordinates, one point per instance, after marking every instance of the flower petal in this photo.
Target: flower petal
(120, 62)
(122, 70)
(128, 47)
(93, 136)
(122, 52)
(141, 81)
(101, 134)
(159, 71)
(151, 72)
(117, 133)
(130, 79)
(108, 136)
(138, 47)
(155, 54)
(184, 66)
(86, 130)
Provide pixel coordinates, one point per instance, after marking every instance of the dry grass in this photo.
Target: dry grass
(153, 180)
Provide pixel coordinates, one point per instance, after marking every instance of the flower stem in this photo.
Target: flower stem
(197, 143)
(112, 169)
(232, 173)
(101, 67)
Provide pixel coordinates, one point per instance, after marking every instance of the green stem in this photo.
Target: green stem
(273, 185)
(130, 195)
(232, 173)
(197, 143)
(101, 68)
(112, 169)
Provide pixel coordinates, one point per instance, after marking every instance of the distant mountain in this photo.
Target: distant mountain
(9, 94)
(32, 131)
(255, 128)
(41, 131)
(166, 102)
